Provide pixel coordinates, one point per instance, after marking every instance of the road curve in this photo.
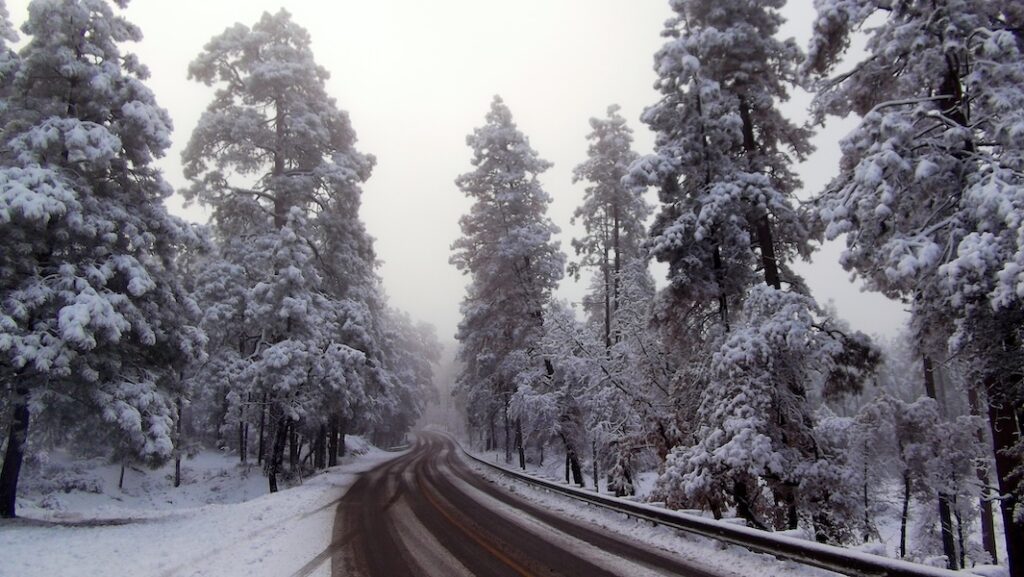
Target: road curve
(428, 514)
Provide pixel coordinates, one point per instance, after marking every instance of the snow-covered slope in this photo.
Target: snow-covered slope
(154, 530)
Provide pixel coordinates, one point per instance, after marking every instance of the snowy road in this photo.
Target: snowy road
(428, 514)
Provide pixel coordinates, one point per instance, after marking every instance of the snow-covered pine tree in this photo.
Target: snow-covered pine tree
(930, 192)
(613, 214)
(93, 320)
(513, 264)
(723, 160)
(8, 58)
(275, 160)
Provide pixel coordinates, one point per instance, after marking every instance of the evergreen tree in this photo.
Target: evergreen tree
(276, 161)
(613, 214)
(94, 320)
(514, 265)
(929, 193)
(727, 223)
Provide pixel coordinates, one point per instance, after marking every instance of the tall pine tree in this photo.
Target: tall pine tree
(276, 161)
(728, 230)
(930, 193)
(94, 321)
(514, 265)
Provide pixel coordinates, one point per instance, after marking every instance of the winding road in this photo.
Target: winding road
(427, 513)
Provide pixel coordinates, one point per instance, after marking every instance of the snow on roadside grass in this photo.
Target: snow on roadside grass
(273, 535)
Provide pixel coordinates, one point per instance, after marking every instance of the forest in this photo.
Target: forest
(135, 335)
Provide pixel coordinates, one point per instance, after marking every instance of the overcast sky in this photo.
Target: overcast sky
(417, 76)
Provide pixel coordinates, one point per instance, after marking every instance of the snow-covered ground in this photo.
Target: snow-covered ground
(221, 522)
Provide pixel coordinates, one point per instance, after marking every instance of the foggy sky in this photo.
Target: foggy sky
(416, 77)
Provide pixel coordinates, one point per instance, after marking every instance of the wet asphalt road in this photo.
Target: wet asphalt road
(428, 514)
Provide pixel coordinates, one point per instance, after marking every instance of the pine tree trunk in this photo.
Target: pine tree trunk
(519, 445)
(492, 435)
(293, 447)
(320, 448)
(960, 537)
(342, 431)
(1005, 433)
(867, 502)
(276, 459)
(332, 442)
(177, 447)
(241, 442)
(606, 271)
(261, 451)
(16, 437)
(948, 537)
(617, 265)
(988, 525)
(593, 456)
(905, 514)
(741, 496)
(573, 462)
(508, 437)
(945, 512)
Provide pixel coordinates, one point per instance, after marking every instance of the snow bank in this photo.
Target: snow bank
(147, 533)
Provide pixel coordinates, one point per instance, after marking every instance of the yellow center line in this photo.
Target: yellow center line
(501, 556)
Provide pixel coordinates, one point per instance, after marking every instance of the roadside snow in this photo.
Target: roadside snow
(161, 532)
(694, 548)
(698, 550)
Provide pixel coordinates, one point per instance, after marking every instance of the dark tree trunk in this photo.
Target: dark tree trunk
(508, 436)
(492, 434)
(905, 514)
(567, 468)
(120, 478)
(332, 442)
(945, 511)
(768, 260)
(277, 451)
(867, 502)
(320, 448)
(261, 451)
(342, 431)
(241, 441)
(1005, 433)
(177, 447)
(988, 525)
(948, 537)
(293, 447)
(606, 271)
(519, 445)
(16, 437)
(243, 431)
(741, 495)
(723, 299)
(960, 537)
(573, 462)
(617, 264)
(594, 471)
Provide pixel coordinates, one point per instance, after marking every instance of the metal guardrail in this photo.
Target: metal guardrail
(819, 555)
